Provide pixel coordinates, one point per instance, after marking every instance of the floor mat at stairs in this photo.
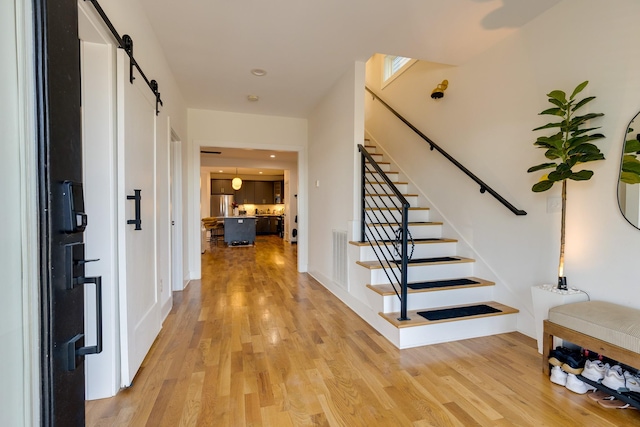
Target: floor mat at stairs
(455, 312)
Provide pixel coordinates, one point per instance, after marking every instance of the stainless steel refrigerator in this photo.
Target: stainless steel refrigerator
(221, 205)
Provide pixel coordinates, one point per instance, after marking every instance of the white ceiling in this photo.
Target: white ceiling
(306, 45)
(247, 163)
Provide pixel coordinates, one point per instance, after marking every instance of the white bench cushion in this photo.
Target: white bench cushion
(605, 321)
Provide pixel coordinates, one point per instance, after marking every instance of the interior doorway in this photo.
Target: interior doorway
(262, 165)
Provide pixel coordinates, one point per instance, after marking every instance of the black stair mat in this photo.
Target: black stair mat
(451, 313)
(442, 283)
(423, 260)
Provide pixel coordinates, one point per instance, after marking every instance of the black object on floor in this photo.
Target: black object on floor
(451, 313)
(437, 259)
(442, 283)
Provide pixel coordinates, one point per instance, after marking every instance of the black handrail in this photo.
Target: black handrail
(367, 160)
(483, 186)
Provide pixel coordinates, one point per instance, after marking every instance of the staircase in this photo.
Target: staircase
(437, 277)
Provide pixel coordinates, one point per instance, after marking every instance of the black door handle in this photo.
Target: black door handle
(72, 349)
(138, 221)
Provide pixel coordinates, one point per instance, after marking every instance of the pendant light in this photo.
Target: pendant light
(236, 183)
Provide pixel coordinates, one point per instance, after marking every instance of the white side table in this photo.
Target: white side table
(547, 296)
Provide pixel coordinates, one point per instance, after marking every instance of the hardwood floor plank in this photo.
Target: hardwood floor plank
(255, 343)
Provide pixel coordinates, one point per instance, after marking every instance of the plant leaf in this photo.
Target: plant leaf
(555, 111)
(558, 95)
(583, 175)
(559, 176)
(553, 153)
(584, 149)
(583, 102)
(550, 125)
(541, 167)
(541, 186)
(632, 146)
(579, 88)
(630, 178)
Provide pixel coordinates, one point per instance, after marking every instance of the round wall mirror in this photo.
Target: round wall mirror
(629, 182)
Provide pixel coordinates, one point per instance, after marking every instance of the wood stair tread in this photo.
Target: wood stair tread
(414, 223)
(391, 195)
(374, 265)
(393, 182)
(424, 241)
(417, 320)
(417, 208)
(386, 172)
(388, 290)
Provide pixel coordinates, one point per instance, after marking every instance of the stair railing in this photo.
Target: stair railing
(381, 208)
(433, 146)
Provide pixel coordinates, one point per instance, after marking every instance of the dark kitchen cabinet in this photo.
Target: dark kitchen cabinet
(246, 193)
(263, 192)
(221, 186)
(278, 192)
(262, 225)
(273, 225)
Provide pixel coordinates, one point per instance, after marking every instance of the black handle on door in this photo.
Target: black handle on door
(138, 221)
(94, 349)
(71, 346)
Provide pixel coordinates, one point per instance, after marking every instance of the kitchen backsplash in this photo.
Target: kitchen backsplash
(277, 209)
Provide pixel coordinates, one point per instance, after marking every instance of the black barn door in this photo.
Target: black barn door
(61, 211)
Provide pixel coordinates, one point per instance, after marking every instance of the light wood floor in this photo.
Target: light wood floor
(255, 343)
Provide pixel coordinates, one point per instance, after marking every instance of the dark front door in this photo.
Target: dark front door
(61, 211)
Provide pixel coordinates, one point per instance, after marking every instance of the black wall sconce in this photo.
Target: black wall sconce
(438, 92)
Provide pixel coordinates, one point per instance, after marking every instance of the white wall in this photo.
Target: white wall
(18, 252)
(224, 129)
(336, 126)
(485, 121)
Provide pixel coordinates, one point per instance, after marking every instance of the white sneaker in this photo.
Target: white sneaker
(558, 376)
(577, 386)
(614, 378)
(632, 381)
(594, 370)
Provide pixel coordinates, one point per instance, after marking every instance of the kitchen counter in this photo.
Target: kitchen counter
(239, 230)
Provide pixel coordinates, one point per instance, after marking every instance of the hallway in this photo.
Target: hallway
(255, 343)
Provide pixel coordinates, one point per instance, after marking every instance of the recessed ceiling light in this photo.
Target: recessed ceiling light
(260, 172)
(219, 171)
(253, 98)
(259, 72)
(272, 156)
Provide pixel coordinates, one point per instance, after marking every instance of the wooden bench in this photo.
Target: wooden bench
(605, 328)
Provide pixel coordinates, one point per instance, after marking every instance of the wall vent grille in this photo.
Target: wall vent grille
(340, 258)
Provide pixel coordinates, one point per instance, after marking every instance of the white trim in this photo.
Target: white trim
(29, 207)
(194, 229)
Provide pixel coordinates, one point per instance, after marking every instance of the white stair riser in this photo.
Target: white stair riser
(454, 331)
(389, 201)
(384, 166)
(377, 157)
(374, 176)
(393, 215)
(423, 273)
(384, 188)
(440, 298)
(420, 250)
(378, 232)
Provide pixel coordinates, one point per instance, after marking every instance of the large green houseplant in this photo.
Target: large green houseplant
(567, 148)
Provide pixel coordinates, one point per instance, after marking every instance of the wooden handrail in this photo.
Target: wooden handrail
(483, 186)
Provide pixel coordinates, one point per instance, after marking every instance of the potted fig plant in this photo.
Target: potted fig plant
(567, 148)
